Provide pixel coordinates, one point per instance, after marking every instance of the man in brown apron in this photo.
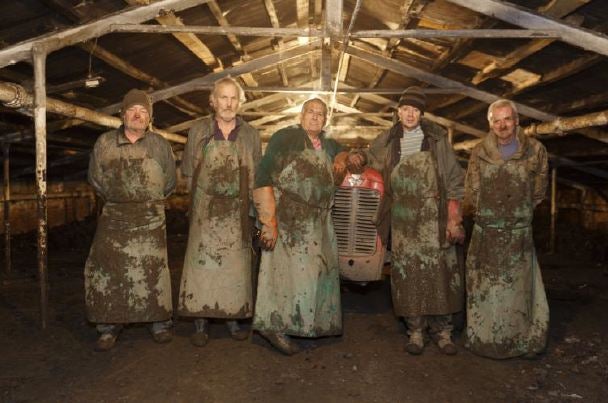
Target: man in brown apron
(219, 164)
(423, 189)
(299, 286)
(507, 311)
(126, 275)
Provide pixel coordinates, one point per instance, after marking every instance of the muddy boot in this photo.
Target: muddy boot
(105, 342)
(235, 330)
(445, 343)
(161, 333)
(281, 342)
(415, 344)
(162, 337)
(200, 337)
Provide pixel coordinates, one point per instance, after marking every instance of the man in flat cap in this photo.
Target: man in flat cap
(126, 275)
(423, 189)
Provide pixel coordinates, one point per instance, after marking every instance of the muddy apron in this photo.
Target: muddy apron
(126, 275)
(216, 279)
(298, 284)
(425, 276)
(507, 311)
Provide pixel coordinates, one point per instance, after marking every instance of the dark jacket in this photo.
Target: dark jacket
(384, 154)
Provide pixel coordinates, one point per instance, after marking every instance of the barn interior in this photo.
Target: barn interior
(65, 66)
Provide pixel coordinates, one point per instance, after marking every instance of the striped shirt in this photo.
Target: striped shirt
(411, 142)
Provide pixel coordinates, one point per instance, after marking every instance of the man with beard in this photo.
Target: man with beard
(219, 164)
(126, 275)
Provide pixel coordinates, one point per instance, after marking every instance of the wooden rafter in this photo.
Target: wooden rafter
(408, 8)
(234, 71)
(513, 14)
(223, 22)
(280, 45)
(508, 63)
(439, 81)
(57, 40)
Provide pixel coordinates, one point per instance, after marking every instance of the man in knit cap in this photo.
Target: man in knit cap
(423, 189)
(126, 275)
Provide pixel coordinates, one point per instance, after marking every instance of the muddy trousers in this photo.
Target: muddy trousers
(155, 327)
(436, 323)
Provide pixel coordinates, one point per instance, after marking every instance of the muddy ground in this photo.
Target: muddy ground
(367, 364)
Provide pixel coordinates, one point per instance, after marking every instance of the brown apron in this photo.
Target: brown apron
(216, 279)
(425, 277)
(507, 310)
(298, 285)
(126, 275)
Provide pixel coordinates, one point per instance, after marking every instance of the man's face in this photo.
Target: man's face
(409, 116)
(136, 118)
(504, 123)
(312, 118)
(226, 102)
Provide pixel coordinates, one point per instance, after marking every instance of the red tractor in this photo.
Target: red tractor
(356, 205)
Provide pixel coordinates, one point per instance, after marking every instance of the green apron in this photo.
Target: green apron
(126, 275)
(298, 284)
(216, 279)
(425, 275)
(507, 311)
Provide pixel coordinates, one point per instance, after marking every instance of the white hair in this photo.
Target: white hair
(228, 80)
(500, 104)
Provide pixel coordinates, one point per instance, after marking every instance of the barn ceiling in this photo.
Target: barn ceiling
(549, 56)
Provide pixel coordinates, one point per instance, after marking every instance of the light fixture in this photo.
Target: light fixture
(93, 82)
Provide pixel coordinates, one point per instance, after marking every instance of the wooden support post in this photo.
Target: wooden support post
(39, 55)
(553, 210)
(6, 186)
(451, 135)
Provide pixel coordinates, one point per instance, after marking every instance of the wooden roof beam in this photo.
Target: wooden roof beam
(188, 39)
(442, 82)
(13, 95)
(57, 40)
(516, 15)
(506, 64)
(234, 71)
(127, 68)
(223, 22)
(409, 12)
(555, 9)
(280, 45)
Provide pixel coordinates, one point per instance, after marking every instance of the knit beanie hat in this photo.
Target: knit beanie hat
(413, 96)
(137, 97)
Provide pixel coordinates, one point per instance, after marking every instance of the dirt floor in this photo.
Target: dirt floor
(367, 364)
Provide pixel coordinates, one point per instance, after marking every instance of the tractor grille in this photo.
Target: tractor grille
(354, 209)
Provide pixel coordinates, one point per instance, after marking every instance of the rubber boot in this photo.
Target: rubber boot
(281, 342)
(200, 337)
(235, 330)
(415, 344)
(445, 343)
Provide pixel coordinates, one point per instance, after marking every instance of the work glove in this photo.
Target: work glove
(340, 167)
(356, 162)
(263, 199)
(454, 229)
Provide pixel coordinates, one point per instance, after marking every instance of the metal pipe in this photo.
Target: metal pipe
(15, 96)
(39, 56)
(553, 210)
(63, 195)
(6, 187)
